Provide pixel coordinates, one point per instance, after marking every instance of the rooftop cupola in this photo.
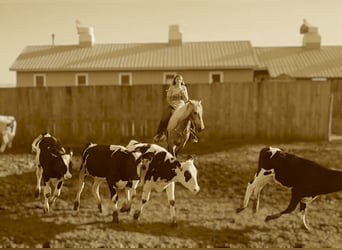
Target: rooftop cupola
(175, 36)
(311, 37)
(85, 34)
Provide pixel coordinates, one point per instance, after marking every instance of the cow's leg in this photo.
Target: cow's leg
(257, 193)
(96, 192)
(57, 191)
(131, 192)
(4, 143)
(39, 174)
(255, 186)
(144, 199)
(170, 192)
(295, 199)
(47, 194)
(115, 198)
(77, 201)
(303, 208)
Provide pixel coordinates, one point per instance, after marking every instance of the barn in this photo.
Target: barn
(291, 93)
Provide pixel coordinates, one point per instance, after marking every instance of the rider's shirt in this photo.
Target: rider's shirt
(177, 96)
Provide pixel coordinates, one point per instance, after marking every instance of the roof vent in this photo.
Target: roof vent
(311, 37)
(175, 36)
(85, 34)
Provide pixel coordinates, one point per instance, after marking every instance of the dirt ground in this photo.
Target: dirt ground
(205, 220)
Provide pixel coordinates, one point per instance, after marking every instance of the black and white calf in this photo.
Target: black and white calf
(53, 165)
(120, 168)
(163, 172)
(305, 178)
(8, 127)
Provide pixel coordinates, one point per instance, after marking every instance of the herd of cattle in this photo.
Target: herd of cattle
(121, 167)
(154, 168)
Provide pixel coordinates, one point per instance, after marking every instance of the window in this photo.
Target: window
(215, 77)
(39, 80)
(168, 77)
(125, 78)
(81, 79)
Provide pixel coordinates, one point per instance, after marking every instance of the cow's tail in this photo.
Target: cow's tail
(85, 155)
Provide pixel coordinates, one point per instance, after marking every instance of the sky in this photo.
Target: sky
(262, 22)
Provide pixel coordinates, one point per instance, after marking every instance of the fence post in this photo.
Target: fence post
(331, 107)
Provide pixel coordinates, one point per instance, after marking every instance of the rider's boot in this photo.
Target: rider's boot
(193, 137)
(156, 138)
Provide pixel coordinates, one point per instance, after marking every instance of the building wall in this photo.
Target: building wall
(103, 78)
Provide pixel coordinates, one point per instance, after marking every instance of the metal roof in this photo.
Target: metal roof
(146, 56)
(301, 62)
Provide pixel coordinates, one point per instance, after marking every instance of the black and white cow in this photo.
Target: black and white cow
(8, 127)
(305, 178)
(53, 165)
(120, 168)
(163, 172)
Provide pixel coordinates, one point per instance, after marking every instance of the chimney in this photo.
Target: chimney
(175, 36)
(311, 37)
(53, 39)
(85, 34)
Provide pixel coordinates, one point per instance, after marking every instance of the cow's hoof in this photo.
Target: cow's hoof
(125, 208)
(36, 193)
(52, 202)
(100, 208)
(174, 224)
(272, 217)
(115, 217)
(136, 215)
(76, 205)
(238, 210)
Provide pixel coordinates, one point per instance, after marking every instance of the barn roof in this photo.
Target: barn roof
(301, 62)
(135, 56)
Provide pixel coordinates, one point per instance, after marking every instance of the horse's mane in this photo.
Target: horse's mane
(178, 113)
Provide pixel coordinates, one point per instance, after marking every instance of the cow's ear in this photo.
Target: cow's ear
(148, 155)
(190, 157)
(69, 151)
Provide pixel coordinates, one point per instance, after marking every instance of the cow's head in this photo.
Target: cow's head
(62, 161)
(187, 175)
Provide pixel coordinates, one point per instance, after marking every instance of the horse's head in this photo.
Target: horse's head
(197, 114)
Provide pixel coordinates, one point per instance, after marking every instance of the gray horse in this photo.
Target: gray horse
(178, 129)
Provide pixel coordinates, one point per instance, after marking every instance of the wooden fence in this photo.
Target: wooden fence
(282, 110)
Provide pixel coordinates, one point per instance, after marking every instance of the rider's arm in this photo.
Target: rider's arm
(169, 94)
(185, 94)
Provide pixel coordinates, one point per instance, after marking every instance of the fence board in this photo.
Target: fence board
(294, 110)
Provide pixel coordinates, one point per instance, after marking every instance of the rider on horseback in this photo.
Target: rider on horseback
(177, 95)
